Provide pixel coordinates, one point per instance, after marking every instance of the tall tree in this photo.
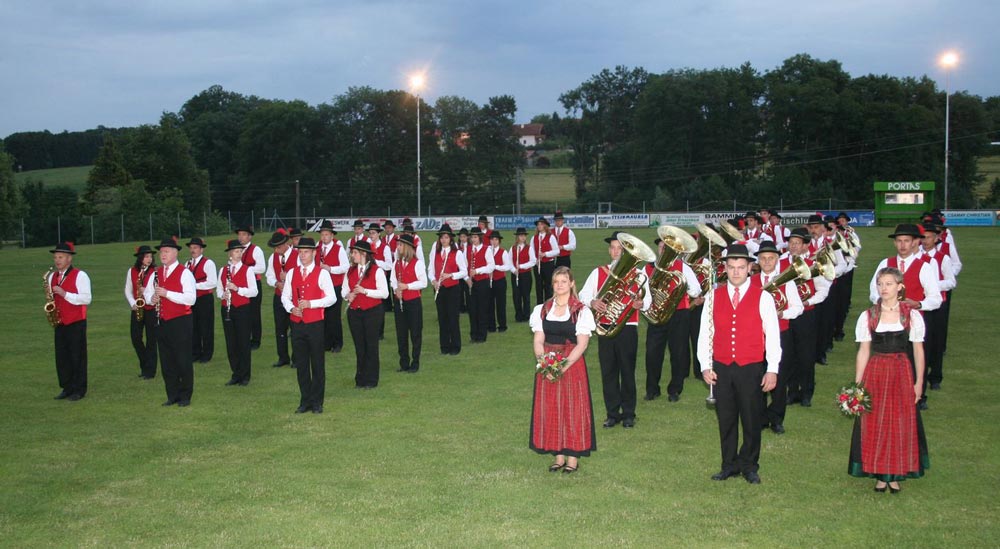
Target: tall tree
(11, 204)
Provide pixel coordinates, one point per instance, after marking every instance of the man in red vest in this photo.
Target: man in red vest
(70, 289)
(236, 289)
(172, 290)
(565, 240)
(546, 251)
(308, 291)
(253, 257)
(203, 311)
(481, 267)
(496, 318)
(739, 335)
(801, 360)
(408, 278)
(934, 347)
(283, 259)
(390, 241)
(446, 269)
(331, 257)
(484, 228)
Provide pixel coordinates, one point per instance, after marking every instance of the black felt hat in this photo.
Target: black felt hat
(738, 251)
(558, 215)
(278, 238)
(327, 225)
(767, 246)
(195, 241)
(520, 230)
(543, 220)
(358, 223)
(375, 227)
(815, 219)
(409, 240)
(907, 229)
(475, 231)
(802, 233)
(142, 250)
(496, 234)
(484, 219)
(306, 242)
(295, 231)
(389, 223)
(169, 242)
(613, 237)
(233, 244)
(446, 229)
(362, 245)
(245, 229)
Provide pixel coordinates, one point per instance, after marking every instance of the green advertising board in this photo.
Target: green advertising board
(902, 201)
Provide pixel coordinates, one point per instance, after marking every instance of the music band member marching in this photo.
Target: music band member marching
(253, 257)
(523, 258)
(67, 292)
(391, 242)
(236, 289)
(408, 278)
(565, 240)
(203, 310)
(365, 289)
(446, 270)
(171, 290)
(332, 258)
(359, 233)
(497, 308)
(480, 275)
(826, 311)
(283, 259)
(307, 296)
(546, 250)
(464, 289)
(417, 243)
(801, 359)
(934, 346)
(143, 318)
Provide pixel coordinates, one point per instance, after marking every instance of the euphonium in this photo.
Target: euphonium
(708, 242)
(51, 311)
(668, 287)
(797, 271)
(616, 292)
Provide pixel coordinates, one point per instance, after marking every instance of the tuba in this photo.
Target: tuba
(798, 271)
(729, 235)
(709, 242)
(616, 292)
(668, 287)
(51, 311)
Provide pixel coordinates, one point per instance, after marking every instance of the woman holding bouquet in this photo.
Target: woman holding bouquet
(888, 442)
(562, 417)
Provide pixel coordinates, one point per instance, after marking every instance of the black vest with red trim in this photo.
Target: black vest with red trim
(198, 270)
(757, 281)
(911, 278)
(447, 265)
(602, 275)
(307, 288)
(476, 260)
(279, 264)
(562, 239)
(406, 273)
(68, 313)
(240, 279)
(168, 309)
(139, 285)
(362, 302)
(542, 245)
(739, 333)
(498, 260)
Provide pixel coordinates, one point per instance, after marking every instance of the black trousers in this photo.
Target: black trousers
(479, 310)
(447, 304)
(364, 332)
(842, 305)
(521, 292)
(310, 362)
(678, 331)
(496, 315)
(409, 330)
(174, 341)
(946, 308)
(543, 281)
(824, 322)
(465, 297)
(738, 404)
(255, 326)
(237, 332)
(563, 261)
(282, 326)
(933, 348)
(617, 356)
(656, 347)
(773, 412)
(694, 329)
(145, 348)
(333, 325)
(801, 360)
(203, 330)
(71, 357)
(389, 303)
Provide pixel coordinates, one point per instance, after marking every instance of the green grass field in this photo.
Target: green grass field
(549, 186)
(440, 458)
(74, 178)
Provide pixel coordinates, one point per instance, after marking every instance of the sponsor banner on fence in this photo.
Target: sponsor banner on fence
(622, 220)
(419, 223)
(676, 219)
(859, 218)
(511, 222)
(969, 218)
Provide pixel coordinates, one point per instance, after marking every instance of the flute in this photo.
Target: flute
(444, 262)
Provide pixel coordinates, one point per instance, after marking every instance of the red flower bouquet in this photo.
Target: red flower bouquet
(853, 400)
(550, 365)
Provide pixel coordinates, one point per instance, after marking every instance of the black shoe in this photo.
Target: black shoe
(610, 422)
(317, 409)
(454, 353)
(184, 403)
(280, 363)
(244, 382)
(302, 409)
(650, 396)
(414, 366)
(61, 395)
(752, 477)
(778, 429)
(628, 423)
(838, 337)
(205, 360)
(794, 399)
(169, 403)
(922, 405)
(337, 348)
(724, 474)
(555, 467)
(231, 382)
(503, 329)
(491, 330)
(673, 397)
(254, 346)
(807, 402)
(821, 359)
(74, 397)
(401, 369)
(935, 386)
(147, 377)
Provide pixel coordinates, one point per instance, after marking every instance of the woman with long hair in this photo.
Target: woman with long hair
(143, 315)
(446, 268)
(364, 290)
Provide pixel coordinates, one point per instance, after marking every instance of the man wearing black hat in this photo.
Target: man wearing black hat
(144, 320)
(523, 258)
(739, 335)
(283, 259)
(294, 234)
(203, 311)
(820, 229)
(235, 290)
(172, 290)
(801, 359)
(253, 257)
(69, 291)
(565, 240)
(307, 294)
(480, 272)
(446, 270)
(408, 278)
(359, 233)
(497, 308)
(546, 250)
(752, 231)
(465, 295)
(331, 256)
(484, 228)
(778, 232)
(934, 346)
(617, 354)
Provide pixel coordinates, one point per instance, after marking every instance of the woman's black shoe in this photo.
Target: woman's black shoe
(569, 470)
(882, 489)
(554, 468)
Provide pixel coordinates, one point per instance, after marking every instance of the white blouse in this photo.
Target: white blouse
(862, 333)
(585, 323)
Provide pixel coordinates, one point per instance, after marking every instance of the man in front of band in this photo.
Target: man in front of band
(70, 289)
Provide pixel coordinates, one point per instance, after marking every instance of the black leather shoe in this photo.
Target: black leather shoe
(838, 337)
(244, 382)
(280, 363)
(778, 429)
(821, 359)
(807, 402)
(403, 370)
(628, 423)
(147, 377)
(302, 409)
(184, 403)
(650, 396)
(61, 395)
(205, 360)
(724, 474)
(169, 403)
(74, 397)
(337, 349)
(502, 329)
(610, 422)
(935, 386)
(317, 409)
(752, 477)
(673, 398)
(231, 382)
(454, 353)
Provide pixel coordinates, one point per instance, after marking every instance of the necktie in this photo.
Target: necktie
(736, 297)
(303, 271)
(902, 265)
(767, 278)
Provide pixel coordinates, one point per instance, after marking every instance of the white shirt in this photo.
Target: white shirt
(270, 275)
(250, 291)
(571, 245)
(343, 265)
(210, 280)
(82, 295)
(421, 282)
(505, 265)
(482, 269)
(325, 284)
(769, 320)
(258, 256)
(956, 263)
(585, 323)
(947, 281)
(460, 263)
(928, 279)
(381, 290)
(515, 252)
(917, 327)
(187, 295)
(794, 302)
(590, 290)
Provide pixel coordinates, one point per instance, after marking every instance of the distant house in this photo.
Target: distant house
(530, 135)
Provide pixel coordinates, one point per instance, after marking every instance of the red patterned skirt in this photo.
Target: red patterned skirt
(888, 443)
(562, 416)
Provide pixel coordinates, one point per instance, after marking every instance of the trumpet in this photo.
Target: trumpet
(798, 271)
(616, 292)
(668, 287)
(51, 311)
(708, 242)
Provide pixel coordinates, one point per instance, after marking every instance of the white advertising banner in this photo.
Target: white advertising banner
(622, 220)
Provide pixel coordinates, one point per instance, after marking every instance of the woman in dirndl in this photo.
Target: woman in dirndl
(888, 442)
(562, 416)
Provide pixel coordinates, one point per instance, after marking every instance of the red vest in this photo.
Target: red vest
(276, 265)
(306, 288)
(757, 281)
(168, 309)
(739, 334)
(391, 241)
(541, 246)
(940, 270)
(406, 273)
(487, 233)
(802, 286)
(675, 267)
(443, 267)
(476, 260)
(498, 260)
(520, 257)
(198, 270)
(562, 239)
(378, 250)
(331, 259)
(240, 279)
(248, 259)
(361, 301)
(355, 239)
(68, 313)
(602, 275)
(911, 278)
(944, 248)
(751, 234)
(139, 285)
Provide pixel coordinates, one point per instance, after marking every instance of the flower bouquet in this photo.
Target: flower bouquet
(550, 365)
(853, 400)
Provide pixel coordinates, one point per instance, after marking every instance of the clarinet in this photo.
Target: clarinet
(399, 280)
(444, 263)
(156, 298)
(228, 294)
(517, 266)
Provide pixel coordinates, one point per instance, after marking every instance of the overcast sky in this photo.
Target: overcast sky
(75, 65)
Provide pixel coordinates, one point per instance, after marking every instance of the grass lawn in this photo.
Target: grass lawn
(549, 186)
(440, 458)
(74, 178)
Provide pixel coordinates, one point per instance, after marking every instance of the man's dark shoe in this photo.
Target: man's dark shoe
(184, 403)
(317, 409)
(724, 474)
(807, 402)
(280, 363)
(302, 409)
(673, 397)
(752, 477)
(610, 422)
(650, 396)
(628, 423)
(62, 395)
(778, 429)
(935, 386)
(74, 397)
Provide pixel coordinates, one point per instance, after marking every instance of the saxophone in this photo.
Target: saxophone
(140, 303)
(51, 311)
